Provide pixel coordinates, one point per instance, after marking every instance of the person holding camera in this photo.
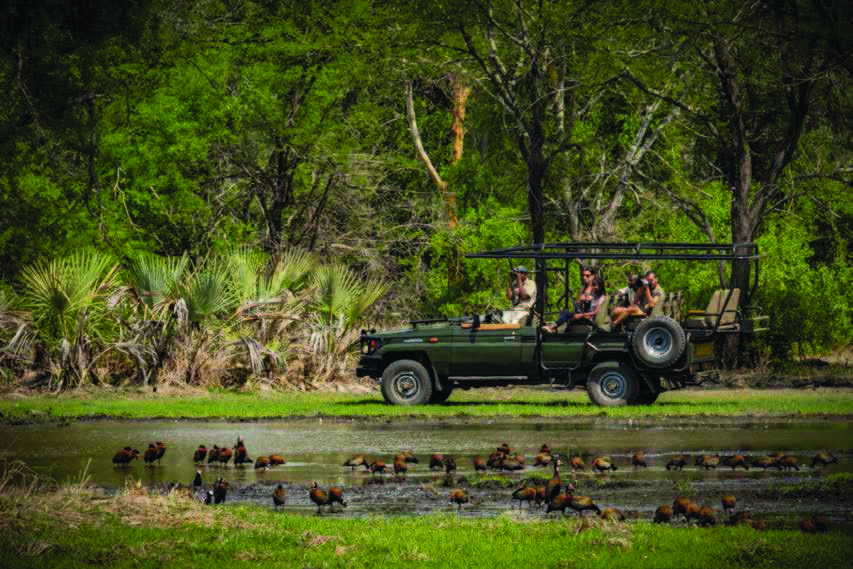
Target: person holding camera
(598, 292)
(640, 305)
(521, 293)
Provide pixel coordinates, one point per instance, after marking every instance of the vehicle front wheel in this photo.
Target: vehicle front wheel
(612, 386)
(406, 382)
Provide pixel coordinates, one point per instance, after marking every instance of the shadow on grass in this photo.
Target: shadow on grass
(523, 403)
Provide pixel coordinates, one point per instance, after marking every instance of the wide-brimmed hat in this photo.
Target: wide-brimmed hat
(520, 269)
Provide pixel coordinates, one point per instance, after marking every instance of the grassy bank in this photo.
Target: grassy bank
(510, 402)
(77, 526)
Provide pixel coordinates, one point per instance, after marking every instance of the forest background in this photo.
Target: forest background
(224, 192)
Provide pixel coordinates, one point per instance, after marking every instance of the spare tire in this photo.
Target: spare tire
(658, 342)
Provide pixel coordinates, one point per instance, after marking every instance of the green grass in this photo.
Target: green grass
(77, 527)
(511, 402)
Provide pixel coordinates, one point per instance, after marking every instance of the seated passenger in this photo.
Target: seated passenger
(522, 295)
(640, 304)
(598, 292)
(626, 294)
(585, 296)
(655, 290)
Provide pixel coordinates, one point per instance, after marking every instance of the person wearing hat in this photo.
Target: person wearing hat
(521, 293)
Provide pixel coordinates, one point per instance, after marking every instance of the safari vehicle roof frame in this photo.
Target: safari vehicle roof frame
(634, 251)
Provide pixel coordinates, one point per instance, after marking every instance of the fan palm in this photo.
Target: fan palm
(66, 298)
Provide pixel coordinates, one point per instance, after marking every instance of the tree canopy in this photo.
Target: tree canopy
(395, 137)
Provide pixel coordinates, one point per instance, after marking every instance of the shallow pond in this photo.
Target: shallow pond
(316, 449)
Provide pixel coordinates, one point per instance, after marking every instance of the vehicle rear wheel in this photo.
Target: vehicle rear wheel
(406, 382)
(658, 341)
(609, 386)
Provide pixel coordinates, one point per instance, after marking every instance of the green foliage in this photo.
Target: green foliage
(454, 285)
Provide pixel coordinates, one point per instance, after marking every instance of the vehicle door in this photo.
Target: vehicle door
(492, 350)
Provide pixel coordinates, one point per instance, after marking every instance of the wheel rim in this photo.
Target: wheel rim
(406, 385)
(658, 342)
(613, 385)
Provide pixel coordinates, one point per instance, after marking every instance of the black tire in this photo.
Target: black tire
(648, 395)
(658, 342)
(609, 386)
(406, 382)
(439, 396)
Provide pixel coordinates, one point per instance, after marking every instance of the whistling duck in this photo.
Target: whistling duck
(436, 460)
(786, 462)
(736, 460)
(559, 503)
(505, 449)
(200, 454)
(208, 497)
(408, 456)
(576, 463)
(241, 454)
(125, 455)
(213, 455)
(279, 497)
(638, 459)
(150, 454)
(459, 497)
(708, 461)
(262, 462)
(545, 449)
(449, 464)
(612, 515)
(682, 505)
(824, 458)
(376, 466)
(400, 467)
(677, 462)
(161, 450)
(728, 503)
(277, 459)
(220, 490)
(479, 464)
(663, 515)
(706, 516)
(224, 456)
(542, 459)
(601, 464)
(764, 462)
(335, 494)
(197, 483)
(524, 494)
(317, 495)
(354, 461)
(581, 504)
(326, 497)
(553, 486)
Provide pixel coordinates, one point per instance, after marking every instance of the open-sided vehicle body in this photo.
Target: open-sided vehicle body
(668, 349)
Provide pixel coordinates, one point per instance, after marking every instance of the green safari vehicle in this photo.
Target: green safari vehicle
(669, 349)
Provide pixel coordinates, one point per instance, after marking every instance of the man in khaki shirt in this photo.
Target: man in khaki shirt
(521, 293)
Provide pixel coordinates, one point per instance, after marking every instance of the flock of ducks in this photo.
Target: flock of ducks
(551, 494)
